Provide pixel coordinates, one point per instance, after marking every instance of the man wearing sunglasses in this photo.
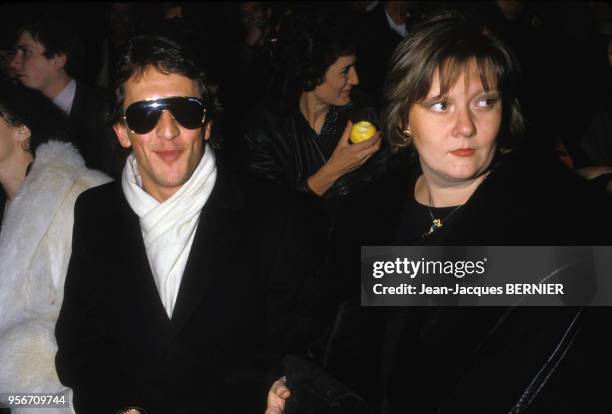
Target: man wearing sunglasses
(185, 285)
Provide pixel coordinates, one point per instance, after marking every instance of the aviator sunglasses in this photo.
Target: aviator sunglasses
(142, 116)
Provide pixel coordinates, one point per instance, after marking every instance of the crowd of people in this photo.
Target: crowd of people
(182, 212)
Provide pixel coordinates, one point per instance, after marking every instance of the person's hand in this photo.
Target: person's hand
(593, 172)
(277, 396)
(348, 157)
(345, 158)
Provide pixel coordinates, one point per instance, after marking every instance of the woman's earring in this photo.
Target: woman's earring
(406, 133)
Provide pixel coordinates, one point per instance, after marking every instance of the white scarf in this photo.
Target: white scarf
(168, 228)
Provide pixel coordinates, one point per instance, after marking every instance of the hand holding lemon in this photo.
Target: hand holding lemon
(346, 157)
(362, 131)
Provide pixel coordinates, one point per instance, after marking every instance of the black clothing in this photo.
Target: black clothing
(597, 140)
(375, 45)
(243, 301)
(523, 200)
(93, 134)
(282, 148)
(441, 359)
(416, 219)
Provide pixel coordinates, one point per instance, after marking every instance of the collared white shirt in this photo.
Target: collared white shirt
(66, 97)
(400, 29)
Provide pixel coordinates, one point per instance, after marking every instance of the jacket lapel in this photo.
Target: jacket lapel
(216, 236)
(139, 278)
(77, 104)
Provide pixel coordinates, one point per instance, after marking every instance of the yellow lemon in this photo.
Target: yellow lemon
(362, 131)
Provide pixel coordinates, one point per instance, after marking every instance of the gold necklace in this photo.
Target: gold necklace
(436, 223)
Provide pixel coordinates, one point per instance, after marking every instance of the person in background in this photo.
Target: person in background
(7, 73)
(119, 27)
(41, 176)
(256, 20)
(597, 140)
(47, 58)
(246, 75)
(383, 28)
(300, 137)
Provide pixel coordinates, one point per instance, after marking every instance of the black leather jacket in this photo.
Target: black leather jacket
(282, 148)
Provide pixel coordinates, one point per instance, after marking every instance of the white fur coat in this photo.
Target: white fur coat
(35, 246)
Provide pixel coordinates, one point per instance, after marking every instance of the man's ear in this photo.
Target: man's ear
(122, 135)
(207, 131)
(59, 60)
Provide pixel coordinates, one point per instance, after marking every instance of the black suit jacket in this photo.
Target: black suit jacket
(375, 45)
(93, 134)
(242, 303)
(486, 359)
(281, 148)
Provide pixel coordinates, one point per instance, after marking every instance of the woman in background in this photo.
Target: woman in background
(300, 138)
(41, 176)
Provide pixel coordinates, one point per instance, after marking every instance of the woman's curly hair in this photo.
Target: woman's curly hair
(308, 45)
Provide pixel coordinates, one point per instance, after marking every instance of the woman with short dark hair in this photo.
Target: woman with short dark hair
(40, 178)
(300, 138)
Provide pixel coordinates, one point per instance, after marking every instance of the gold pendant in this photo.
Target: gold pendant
(435, 225)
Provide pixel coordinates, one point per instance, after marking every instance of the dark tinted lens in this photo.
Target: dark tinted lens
(141, 117)
(189, 112)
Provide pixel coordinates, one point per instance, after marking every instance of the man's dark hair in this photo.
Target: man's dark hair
(58, 38)
(24, 106)
(166, 56)
(308, 44)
